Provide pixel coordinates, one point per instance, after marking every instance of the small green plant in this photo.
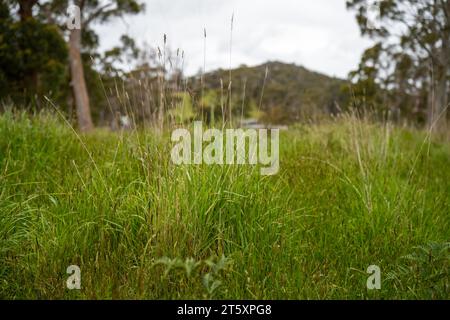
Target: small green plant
(425, 271)
(210, 271)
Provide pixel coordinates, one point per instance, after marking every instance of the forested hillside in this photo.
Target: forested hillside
(274, 91)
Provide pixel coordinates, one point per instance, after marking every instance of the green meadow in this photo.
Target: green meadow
(349, 194)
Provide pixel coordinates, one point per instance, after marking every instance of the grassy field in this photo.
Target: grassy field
(349, 194)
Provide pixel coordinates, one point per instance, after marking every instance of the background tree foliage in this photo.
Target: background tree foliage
(404, 76)
(408, 69)
(33, 58)
(34, 46)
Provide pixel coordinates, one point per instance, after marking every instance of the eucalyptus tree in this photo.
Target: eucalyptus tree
(77, 18)
(414, 35)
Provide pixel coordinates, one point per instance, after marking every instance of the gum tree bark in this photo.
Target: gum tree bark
(78, 82)
(439, 105)
(26, 9)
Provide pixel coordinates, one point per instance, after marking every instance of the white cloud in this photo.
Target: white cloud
(318, 34)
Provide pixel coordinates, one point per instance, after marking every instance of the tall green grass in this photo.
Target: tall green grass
(349, 194)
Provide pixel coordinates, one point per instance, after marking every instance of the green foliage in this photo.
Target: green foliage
(209, 271)
(33, 59)
(349, 194)
(183, 111)
(425, 272)
(407, 70)
(33, 53)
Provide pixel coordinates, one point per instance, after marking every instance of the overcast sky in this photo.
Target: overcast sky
(318, 34)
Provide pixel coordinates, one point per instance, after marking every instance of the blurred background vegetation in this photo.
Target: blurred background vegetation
(404, 77)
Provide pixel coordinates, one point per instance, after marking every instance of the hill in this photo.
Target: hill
(283, 92)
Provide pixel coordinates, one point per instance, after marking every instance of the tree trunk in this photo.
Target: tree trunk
(78, 82)
(438, 114)
(26, 9)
